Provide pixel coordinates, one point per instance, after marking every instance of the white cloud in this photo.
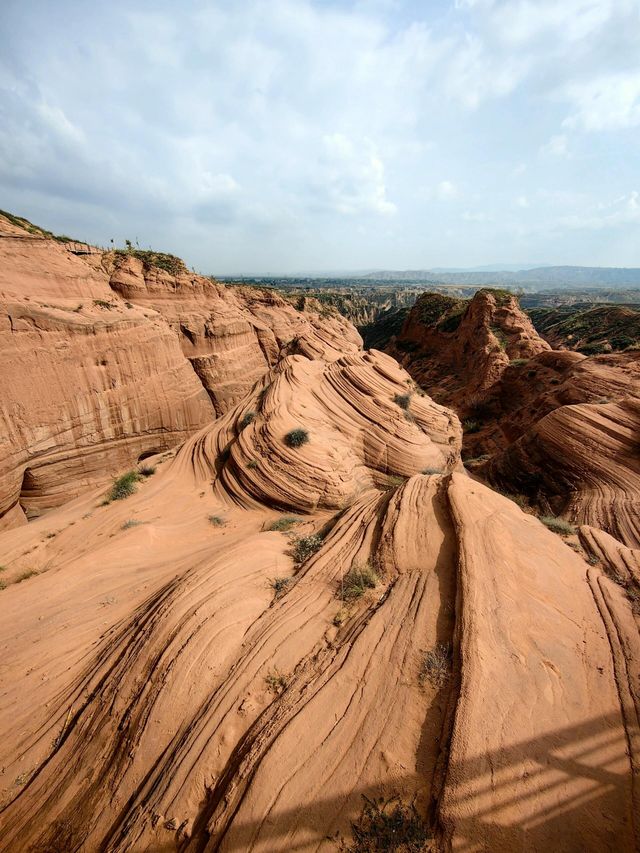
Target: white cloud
(478, 216)
(520, 21)
(624, 210)
(557, 146)
(354, 177)
(446, 191)
(610, 102)
(522, 201)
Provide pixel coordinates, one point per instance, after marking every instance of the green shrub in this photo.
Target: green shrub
(429, 471)
(217, 520)
(402, 400)
(558, 525)
(252, 464)
(305, 547)
(123, 486)
(132, 522)
(394, 828)
(516, 362)
(436, 665)
(147, 470)
(247, 419)
(101, 303)
(280, 586)
(276, 682)
(284, 523)
(296, 437)
(470, 426)
(357, 581)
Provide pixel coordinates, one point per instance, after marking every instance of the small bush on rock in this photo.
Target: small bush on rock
(357, 581)
(306, 546)
(558, 525)
(123, 487)
(296, 437)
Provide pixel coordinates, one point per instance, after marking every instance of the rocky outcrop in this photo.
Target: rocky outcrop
(556, 428)
(205, 681)
(231, 335)
(105, 359)
(456, 347)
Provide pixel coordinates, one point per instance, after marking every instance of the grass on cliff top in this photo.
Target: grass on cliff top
(162, 260)
(501, 295)
(21, 222)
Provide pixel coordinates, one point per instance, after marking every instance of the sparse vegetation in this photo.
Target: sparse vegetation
(123, 487)
(101, 303)
(518, 499)
(395, 480)
(162, 260)
(402, 400)
(30, 573)
(500, 336)
(339, 618)
(248, 418)
(357, 581)
(217, 520)
(436, 665)
(132, 522)
(252, 464)
(284, 523)
(470, 426)
(276, 682)
(558, 525)
(279, 586)
(429, 471)
(517, 362)
(296, 437)
(147, 470)
(3, 585)
(389, 826)
(305, 547)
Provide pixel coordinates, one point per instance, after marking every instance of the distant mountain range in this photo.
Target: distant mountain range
(564, 276)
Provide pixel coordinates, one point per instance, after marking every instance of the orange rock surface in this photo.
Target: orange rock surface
(102, 362)
(177, 675)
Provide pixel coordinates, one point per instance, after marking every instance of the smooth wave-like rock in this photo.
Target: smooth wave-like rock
(175, 678)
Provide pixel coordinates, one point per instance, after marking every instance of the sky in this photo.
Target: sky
(266, 136)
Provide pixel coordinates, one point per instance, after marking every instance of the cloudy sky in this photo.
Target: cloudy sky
(289, 135)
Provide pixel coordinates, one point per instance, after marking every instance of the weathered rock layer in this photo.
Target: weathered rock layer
(180, 676)
(104, 360)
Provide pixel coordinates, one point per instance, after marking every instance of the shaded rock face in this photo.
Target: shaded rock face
(103, 361)
(180, 698)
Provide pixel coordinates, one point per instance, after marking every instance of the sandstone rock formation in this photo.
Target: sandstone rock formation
(556, 427)
(458, 347)
(177, 675)
(104, 360)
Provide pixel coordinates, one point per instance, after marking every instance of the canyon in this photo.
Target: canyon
(266, 590)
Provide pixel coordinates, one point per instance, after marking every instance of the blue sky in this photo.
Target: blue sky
(288, 135)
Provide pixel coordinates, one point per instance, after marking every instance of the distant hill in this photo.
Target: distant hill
(565, 276)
